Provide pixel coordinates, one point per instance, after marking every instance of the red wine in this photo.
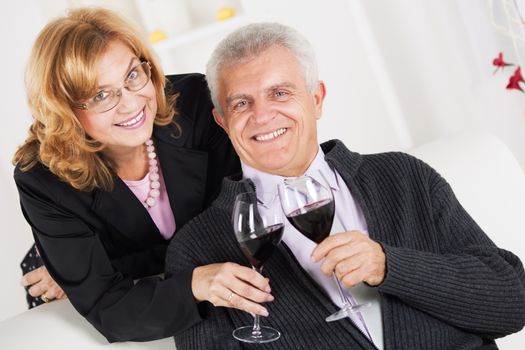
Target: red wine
(259, 248)
(316, 222)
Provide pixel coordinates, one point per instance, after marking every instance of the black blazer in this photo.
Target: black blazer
(95, 244)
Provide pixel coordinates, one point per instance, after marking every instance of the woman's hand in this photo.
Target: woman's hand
(42, 285)
(231, 285)
(353, 256)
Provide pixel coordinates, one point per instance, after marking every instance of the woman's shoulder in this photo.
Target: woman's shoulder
(41, 182)
(189, 87)
(38, 173)
(194, 122)
(193, 102)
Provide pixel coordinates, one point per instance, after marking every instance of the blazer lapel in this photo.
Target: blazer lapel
(184, 169)
(184, 172)
(122, 210)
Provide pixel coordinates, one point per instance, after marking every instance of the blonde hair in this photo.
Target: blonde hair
(62, 70)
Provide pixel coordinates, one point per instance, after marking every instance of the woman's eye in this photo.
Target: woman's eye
(133, 75)
(101, 96)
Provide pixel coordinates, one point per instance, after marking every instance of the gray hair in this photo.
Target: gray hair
(250, 41)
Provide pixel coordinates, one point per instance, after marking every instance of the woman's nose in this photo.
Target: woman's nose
(129, 101)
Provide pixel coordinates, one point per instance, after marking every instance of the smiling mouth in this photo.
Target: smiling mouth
(134, 121)
(271, 135)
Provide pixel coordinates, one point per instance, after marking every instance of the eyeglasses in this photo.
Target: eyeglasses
(106, 100)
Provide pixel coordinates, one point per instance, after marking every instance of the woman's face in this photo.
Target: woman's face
(130, 123)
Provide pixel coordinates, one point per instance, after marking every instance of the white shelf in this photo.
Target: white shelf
(200, 33)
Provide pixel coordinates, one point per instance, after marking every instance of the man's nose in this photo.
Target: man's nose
(262, 113)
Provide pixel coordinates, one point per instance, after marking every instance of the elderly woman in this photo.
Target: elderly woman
(117, 160)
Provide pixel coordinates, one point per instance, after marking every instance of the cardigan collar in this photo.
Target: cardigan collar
(336, 154)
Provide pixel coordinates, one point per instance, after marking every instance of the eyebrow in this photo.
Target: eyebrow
(232, 98)
(277, 86)
(130, 65)
(281, 85)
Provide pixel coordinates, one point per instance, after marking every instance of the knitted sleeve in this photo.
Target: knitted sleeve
(471, 283)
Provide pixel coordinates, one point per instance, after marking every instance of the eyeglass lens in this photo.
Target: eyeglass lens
(106, 100)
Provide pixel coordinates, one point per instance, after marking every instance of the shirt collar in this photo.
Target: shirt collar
(266, 184)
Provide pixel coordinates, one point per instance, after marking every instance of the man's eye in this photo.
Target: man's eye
(240, 105)
(101, 96)
(281, 93)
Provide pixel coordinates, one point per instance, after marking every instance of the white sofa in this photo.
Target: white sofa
(485, 176)
(58, 326)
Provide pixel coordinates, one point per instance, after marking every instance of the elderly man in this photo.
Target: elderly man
(433, 278)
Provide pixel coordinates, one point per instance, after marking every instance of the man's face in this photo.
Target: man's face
(269, 114)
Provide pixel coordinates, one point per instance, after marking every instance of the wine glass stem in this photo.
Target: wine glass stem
(256, 331)
(344, 299)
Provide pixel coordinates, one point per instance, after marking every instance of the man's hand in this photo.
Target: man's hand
(231, 285)
(354, 257)
(42, 285)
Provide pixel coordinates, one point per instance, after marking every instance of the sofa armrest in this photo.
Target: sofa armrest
(57, 326)
(486, 179)
(490, 184)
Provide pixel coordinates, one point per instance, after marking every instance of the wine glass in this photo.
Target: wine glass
(309, 206)
(258, 231)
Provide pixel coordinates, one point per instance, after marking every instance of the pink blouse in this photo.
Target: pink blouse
(161, 212)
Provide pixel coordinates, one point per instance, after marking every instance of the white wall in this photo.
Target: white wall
(20, 21)
(398, 74)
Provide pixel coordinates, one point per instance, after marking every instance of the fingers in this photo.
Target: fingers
(34, 276)
(253, 277)
(42, 285)
(244, 289)
(351, 279)
(332, 242)
(243, 281)
(232, 285)
(242, 303)
(371, 273)
(37, 289)
(353, 257)
(339, 254)
(54, 292)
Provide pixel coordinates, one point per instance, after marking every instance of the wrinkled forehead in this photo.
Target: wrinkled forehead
(272, 68)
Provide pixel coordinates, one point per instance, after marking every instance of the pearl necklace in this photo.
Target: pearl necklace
(153, 175)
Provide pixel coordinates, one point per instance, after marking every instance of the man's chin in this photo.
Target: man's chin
(270, 166)
(276, 168)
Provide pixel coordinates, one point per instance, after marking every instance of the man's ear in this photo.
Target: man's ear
(319, 95)
(219, 119)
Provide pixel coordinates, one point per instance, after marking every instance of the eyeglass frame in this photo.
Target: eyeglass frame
(118, 92)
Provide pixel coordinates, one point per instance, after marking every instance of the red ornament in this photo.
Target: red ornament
(500, 63)
(515, 80)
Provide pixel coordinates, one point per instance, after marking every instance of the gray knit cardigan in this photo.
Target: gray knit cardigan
(447, 285)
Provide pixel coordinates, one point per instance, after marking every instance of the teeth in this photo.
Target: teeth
(133, 121)
(271, 135)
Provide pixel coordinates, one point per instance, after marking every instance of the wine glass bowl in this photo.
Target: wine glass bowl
(309, 206)
(258, 231)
